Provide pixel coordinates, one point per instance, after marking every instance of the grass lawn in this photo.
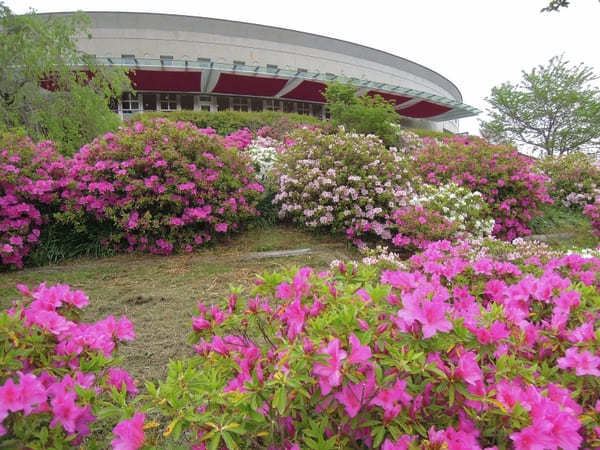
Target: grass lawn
(567, 228)
(159, 293)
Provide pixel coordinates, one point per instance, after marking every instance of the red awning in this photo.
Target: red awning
(166, 80)
(423, 110)
(397, 99)
(230, 83)
(308, 91)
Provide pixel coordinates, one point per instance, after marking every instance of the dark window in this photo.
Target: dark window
(240, 103)
(187, 101)
(168, 102)
(303, 108)
(288, 107)
(149, 102)
(256, 104)
(222, 103)
(317, 110)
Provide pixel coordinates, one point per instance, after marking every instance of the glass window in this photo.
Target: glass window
(317, 110)
(257, 104)
(149, 102)
(168, 102)
(272, 105)
(303, 108)
(222, 103)
(113, 104)
(187, 101)
(288, 107)
(240, 103)
(130, 102)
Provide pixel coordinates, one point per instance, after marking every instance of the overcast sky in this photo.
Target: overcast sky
(476, 44)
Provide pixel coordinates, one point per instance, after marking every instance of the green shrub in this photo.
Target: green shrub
(226, 122)
(421, 132)
(364, 114)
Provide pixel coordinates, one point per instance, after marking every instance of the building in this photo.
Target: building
(199, 63)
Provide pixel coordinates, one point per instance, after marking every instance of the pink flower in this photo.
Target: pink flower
(117, 377)
(358, 353)
(584, 363)
(130, 433)
(294, 315)
(401, 444)
(284, 291)
(352, 396)
(391, 400)
(468, 368)
(433, 318)
(221, 227)
(329, 374)
(65, 410)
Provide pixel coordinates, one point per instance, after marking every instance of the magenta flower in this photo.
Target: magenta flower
(294, 315)
(358, 353)
(352, 396)
(433, 318)
(401, 444)
(130, 433)
(117, 377)
(468, 368)
(65, 410)
(584, 363)
(284, 291)
(329, 373)
(392, 400)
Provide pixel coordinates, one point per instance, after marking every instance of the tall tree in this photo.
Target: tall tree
(47, 86)
(554, 109)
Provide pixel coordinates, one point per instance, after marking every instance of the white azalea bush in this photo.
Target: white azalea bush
(263, 153)
(330, 181)
(465, 208)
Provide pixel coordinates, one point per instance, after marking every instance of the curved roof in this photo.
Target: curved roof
(415, 90)
(175, 22)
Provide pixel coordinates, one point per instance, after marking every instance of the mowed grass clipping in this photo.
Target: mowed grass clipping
(159, 293)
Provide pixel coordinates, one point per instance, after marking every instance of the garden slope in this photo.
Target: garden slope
(159, 293)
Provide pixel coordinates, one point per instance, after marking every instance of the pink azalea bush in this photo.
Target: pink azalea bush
(462, 348)
(575, 179)
(162, 186)
(58, 383)
(592, 211)
(330, 181)
(30, 176)
(508, 181)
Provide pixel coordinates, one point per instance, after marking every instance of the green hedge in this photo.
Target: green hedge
(432, 133)
(226, 122)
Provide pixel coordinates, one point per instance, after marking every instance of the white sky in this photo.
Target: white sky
(476, 44)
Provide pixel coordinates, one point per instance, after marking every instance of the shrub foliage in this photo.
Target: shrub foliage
(160, 187)
(508, 181)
